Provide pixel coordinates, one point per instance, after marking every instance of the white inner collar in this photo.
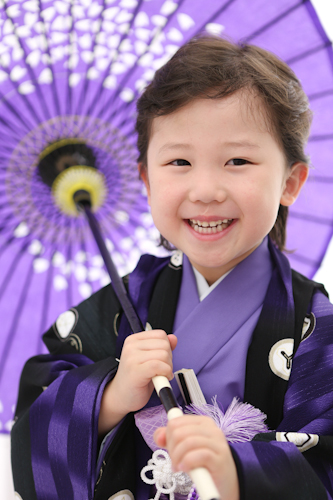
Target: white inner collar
(203, 288)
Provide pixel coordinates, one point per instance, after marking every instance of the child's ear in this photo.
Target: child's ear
(294, 182)
(143, 171)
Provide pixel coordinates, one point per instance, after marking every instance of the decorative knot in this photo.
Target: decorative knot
(165, 480)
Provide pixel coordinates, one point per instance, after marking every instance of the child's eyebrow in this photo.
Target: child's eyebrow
(241, 144)
(174, 145)
(180, 145)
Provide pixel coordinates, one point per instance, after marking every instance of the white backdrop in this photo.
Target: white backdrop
(324, 275)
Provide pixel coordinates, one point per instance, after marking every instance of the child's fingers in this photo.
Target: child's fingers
(196, 451)
(148, 359)
(146, 341)
(194, 433)
(150, 368)
(148, 334)
(187, 424)
(194, 441)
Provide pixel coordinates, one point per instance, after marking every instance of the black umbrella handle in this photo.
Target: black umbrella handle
(200, 476)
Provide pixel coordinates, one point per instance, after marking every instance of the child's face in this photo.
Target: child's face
(213, 161)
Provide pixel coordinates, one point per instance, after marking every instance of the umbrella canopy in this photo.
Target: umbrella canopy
(70, 73)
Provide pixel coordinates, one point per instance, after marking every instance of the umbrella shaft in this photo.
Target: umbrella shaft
(117, 282)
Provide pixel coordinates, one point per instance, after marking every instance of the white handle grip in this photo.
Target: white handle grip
(202, 479)
(204, 484)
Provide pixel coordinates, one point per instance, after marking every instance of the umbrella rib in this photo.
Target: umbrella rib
(69, 71)
(308, 53)
(49, 65)
(45, 307)
(26, 123)
(84, 229)
(215, 15)
(324, 221)
(97, 98)
(7, 123)
(126, 105)
(69, 294)
(320, 178)
(318, 95)
(306, 260)
(30, 71)
(4, 221)
(271, 23)
(13, 328)
(12, 267)
(16, 86)
(320, 137)
(106, 72)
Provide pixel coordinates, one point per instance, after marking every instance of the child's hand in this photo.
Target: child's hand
(193, 441)
(143, 356)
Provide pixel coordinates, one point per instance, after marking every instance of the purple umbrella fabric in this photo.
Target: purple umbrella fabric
(73, 69)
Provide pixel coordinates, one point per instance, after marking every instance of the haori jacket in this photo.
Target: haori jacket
(288, 376)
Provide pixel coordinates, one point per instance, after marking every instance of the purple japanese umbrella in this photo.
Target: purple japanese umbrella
(70, 73)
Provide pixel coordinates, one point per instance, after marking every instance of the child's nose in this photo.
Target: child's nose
(206, 187)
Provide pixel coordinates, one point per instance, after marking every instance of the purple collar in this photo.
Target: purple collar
(214, 335)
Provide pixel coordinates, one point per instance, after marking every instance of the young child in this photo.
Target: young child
(221, 136)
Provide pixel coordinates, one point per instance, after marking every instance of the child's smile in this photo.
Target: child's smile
(216, 178)
(210, 226)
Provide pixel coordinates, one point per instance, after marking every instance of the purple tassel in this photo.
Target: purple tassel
(193, 495)
(241, 422)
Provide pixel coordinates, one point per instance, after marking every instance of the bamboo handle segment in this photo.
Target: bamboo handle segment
(202, 479)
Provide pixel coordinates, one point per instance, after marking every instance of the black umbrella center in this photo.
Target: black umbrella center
(58, 157)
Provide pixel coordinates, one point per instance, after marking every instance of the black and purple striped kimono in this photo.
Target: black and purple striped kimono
(274, 325)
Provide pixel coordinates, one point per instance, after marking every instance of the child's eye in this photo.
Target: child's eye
(237, 161)
(180, 163)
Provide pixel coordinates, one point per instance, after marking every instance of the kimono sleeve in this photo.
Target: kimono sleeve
(55, 434)
(295, 462)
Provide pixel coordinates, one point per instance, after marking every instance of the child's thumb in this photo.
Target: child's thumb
(173, 341)
(160, 437)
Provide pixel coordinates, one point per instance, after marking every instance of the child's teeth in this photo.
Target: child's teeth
(204, 227)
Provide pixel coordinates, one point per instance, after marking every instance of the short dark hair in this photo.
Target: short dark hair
(212, 67)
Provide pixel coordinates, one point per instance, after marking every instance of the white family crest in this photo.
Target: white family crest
(66, 323)
(302, 440)
(280, 358)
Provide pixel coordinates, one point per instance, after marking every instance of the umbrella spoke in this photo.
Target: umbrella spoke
(322, 137)
(320, 178)
(327, 45)
(216, 14)
(318, 95)
(69, 291)
(15, 112)
(31, 73)
(123, 82)
(306, 260)
(97, 97)
(13, 328)
(270, 24)
(325, 221)
(45, 308)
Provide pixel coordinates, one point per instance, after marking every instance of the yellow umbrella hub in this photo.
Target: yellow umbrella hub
(74, 179)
